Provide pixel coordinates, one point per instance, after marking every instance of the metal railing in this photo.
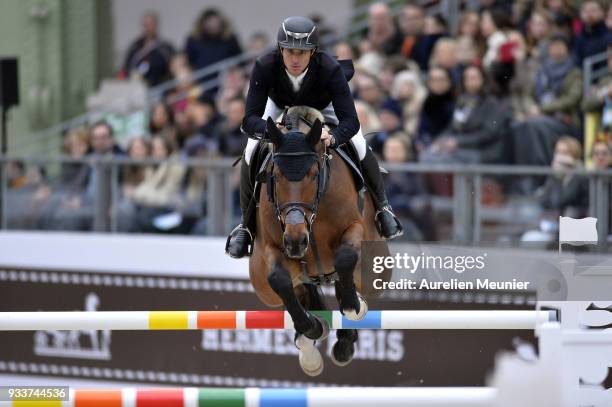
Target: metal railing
(590, 74)
(465, 204)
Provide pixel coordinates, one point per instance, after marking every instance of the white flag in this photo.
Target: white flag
(577, 231)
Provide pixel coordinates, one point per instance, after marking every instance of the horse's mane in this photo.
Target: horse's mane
(309, 114)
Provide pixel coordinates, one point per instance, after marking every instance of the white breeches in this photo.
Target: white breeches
(273, 111)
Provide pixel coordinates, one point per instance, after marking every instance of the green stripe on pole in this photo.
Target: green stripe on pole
(327, 316)
(221, 398)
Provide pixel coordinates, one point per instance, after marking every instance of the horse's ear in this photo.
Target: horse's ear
(274, 133)
(314, 135)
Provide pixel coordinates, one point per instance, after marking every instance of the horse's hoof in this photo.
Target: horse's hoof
(363, 310)
(311, 360)
(342, 358)
(324, 328)
(317, 333)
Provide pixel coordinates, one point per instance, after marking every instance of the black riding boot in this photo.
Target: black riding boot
(240, 241)
(386, 222)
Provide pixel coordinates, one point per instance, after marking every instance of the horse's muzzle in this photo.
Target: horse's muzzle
(295, 248)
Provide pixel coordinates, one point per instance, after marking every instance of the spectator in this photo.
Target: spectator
(467, 52)
(192, 207)
(594, 36)
(161, 122)
(408, 194)
(564, 193)
(553, 106)
(504, 6)
(132, 175)
(445, 56)
(158, 194)
(76, 145)
(367, 117)
(233, 85)
(391, 67)
(438, 107)
(344, 50)
(476, 133)
(539, 29)
(524, 70)
(609, 17)
(211, 41)
(27, 195)
(391, 115)
(369, 89)
(149, 56)
(231, 139)
(204, 118)
(71, 208)
(258, 42)
(470, 43)
(186, 90)
(382, 34)
(601, 154)
(435, 28)
(412, 25)
(493, 26)
(409, 91)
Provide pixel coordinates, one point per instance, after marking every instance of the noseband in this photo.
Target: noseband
(299, 207)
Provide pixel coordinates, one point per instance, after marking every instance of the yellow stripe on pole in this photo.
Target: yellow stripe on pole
(37, 403)
(168, 320)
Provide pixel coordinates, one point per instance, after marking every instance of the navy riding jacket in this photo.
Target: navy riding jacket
(325, 82)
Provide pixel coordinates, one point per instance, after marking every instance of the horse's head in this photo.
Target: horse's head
(296, 183)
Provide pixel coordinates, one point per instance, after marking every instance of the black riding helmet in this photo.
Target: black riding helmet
(298, 33)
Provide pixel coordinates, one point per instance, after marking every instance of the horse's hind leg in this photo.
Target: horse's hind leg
(352, 305)
(344, 348)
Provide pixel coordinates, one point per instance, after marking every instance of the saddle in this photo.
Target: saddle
(263, 153)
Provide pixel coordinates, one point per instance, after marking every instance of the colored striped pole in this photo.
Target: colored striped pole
(255, 397)
(180, 320)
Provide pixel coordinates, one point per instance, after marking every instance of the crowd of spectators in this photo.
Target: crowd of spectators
(505, 87)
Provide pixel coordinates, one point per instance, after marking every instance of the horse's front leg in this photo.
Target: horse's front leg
(352, 304)
(309, 327)
(280, 281)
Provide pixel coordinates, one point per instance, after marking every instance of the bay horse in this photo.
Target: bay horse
(309, 221)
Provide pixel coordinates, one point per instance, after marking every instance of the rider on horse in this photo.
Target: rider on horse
(297, 73)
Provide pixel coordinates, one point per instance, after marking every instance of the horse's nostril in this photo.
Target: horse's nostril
(304, 240)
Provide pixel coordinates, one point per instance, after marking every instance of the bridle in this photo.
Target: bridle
(299, 207)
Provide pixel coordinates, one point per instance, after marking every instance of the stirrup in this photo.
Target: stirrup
(237, 229)
(377, 222)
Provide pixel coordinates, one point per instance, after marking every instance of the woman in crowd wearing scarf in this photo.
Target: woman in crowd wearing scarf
(437, 111)
(554, 104)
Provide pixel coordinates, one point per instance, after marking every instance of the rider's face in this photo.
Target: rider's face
(296, 60)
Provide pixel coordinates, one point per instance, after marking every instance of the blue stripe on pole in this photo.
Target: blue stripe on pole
(372, 320)
(283, 398)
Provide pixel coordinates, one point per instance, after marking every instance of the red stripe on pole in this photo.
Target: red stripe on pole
(159, 398)
(265, 319)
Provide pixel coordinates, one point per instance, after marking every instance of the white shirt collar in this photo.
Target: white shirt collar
(296, 81)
